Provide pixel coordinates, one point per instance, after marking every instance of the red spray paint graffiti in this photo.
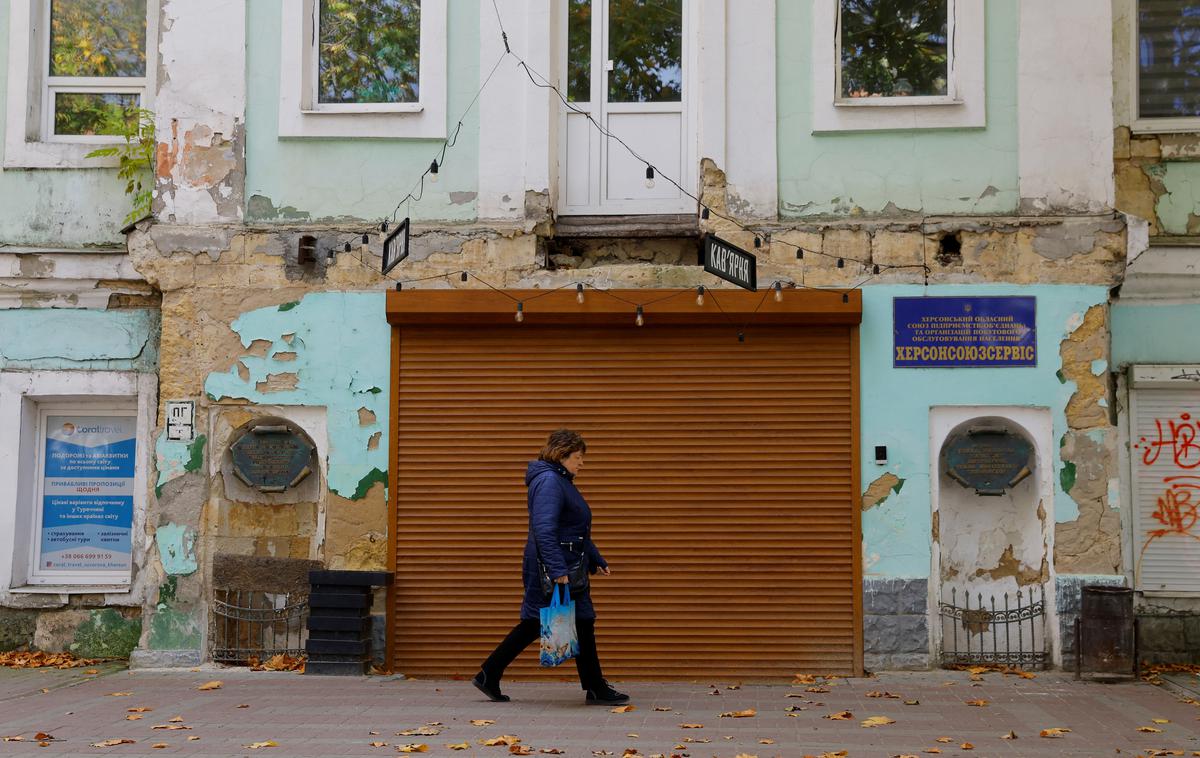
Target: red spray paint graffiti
(1177, 509)
(1182, 438)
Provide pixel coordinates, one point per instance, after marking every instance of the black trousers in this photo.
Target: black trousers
(528, 631)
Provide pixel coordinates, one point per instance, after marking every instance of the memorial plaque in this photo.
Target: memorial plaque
(271, 458)
(990, 462)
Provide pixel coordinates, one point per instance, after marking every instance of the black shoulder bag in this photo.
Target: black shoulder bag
(577, 575)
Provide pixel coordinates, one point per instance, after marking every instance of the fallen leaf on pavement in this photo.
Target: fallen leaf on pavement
(459, 745)
(118, 694)
(38, 660)
(691, 726)
(634, 735)
(159, 745)
(804, 679)
(623, 709)
(133, 717)
(552, 751)
(1053, 732)
(816, 689)
(172, 727)
(520, 750)
(213, 685)
(242, 705)
(977, 703)
(748, 713)
(698, 740)
(945, 740)
(175, 720)
(966, 746)
(380, 744)
(877, 693)
(482, 722)
(113, 742)
(766, 741)
(413, 748)
(92, 672)
(193, 738)
(839, 716)
(1161, 721)
(1010, 736)
(421, 731)
(878, 721)
(43, 736)
(661, 708)
(140, 709)
(912, 702)
(1149, 729)
(934, 750)
(504, 739)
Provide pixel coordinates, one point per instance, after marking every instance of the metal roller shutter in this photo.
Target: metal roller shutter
(720, 475)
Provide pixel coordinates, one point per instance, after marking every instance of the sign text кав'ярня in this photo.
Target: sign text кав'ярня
(730, 263)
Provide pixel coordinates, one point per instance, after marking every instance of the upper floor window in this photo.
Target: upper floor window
(363, 68)
(369, 51)
(898, 64)
(893, 48)
(95, 66)
(1168, 59)
(77, 69)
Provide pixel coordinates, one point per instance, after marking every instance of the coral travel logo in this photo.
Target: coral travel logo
(70, 429)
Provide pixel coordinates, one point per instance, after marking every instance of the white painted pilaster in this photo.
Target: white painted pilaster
(752, 164)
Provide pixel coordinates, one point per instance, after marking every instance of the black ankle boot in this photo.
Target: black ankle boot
(605, 695)
(488, 688)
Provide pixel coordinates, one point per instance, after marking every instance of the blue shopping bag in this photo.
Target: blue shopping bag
(560, 640)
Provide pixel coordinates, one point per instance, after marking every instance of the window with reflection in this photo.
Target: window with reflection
(96, 71)
(1168, 55)
(893, 48)
(645, 45)
(369, 51)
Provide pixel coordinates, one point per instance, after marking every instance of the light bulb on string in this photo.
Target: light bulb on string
(579, 293)
(463, 276)
(757, 241)
(778, 292)
(347, 247)
(640, 321)
(741, 336)
(700, 296)
(841, 263)
(433, 172)
(799, 253)
(366, 238)
(704, 212)
(649, 176)
(875, 270)
(383, 227)
(520, 312)
(845, 297)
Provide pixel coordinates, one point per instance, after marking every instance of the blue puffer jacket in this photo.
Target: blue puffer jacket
(557, 514)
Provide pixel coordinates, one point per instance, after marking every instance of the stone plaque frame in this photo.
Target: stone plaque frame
(272, 457)
(990, 461)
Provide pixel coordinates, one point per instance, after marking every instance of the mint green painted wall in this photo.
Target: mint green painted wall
(928, 170)
(896, 402)
(1175, 207)
(1155, 333)
(356, 178)
(60, 338)
(55, 207)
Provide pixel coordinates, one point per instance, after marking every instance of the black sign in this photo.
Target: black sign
(989, 462)
(395, 246)
(731, 263)
(271, 458)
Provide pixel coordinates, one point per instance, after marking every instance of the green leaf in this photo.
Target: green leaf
(102, 152)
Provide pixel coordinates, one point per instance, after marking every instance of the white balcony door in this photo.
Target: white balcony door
(628, 65)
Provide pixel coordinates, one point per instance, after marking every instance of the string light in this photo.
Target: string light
(741, 336)
(875, 270)
(778, 292)
(383, 227)
(700, 296)
(579, 293)
(433, 171)
(757, 241)
(841, 263)
(704, 212)
(845, 297)
(520, 312)
(399, 286)
(649, 176)
(366, 238)
(464, 276)
(640, 321)
(347, 247)
(799, 253)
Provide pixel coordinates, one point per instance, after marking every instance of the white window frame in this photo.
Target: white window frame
(29, 139)
(1156, 125)
(300, 113)
(38, 576)
(963, 106)
(23, 395)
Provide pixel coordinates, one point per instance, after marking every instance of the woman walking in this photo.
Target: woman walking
(560, 548)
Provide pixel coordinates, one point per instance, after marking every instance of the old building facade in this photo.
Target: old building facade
(768, 470)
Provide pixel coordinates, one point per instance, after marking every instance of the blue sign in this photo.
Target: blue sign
(964, 332)
(87, 494)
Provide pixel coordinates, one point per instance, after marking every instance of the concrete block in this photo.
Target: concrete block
(160, 659)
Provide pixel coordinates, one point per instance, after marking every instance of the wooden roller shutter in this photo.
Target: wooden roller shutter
(720, 475)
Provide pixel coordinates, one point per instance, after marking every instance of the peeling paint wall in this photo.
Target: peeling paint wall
(304, 179)
(79, 339)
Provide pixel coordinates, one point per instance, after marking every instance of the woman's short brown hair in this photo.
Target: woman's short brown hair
(561, 444)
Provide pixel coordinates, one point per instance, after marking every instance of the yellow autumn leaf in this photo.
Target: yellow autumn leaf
(878, 721)
(175, 720)
(171, 727)
(877, 693)
(213, 685)
(661, 708)
(113, 742)
(945, 740)
(504, 739)
(552, 751)
(623, 709)
(159, 745)
(133, 717)
(459, 745)
(264, 743)
(378, 744)
(934, 750)
(1161, 721)
(766, 741)
(1010, 736)
(748, 713)
(840, 716)
(691, 726)
(482, 722)
(140, 709)
(413, 748)
(1149, 729)
(119, 694)
(977, 703)
(193, 738)
(966, 746)
(816, 689)
(912, 702)
(1053, 732)
(421, 731)
(520, 750)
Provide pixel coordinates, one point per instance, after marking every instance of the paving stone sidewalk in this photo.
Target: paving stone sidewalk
(329, 716)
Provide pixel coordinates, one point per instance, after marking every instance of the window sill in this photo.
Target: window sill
(71, 589)
(1165, 125)
(20, 154)
(353, 109)
(895, 102)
